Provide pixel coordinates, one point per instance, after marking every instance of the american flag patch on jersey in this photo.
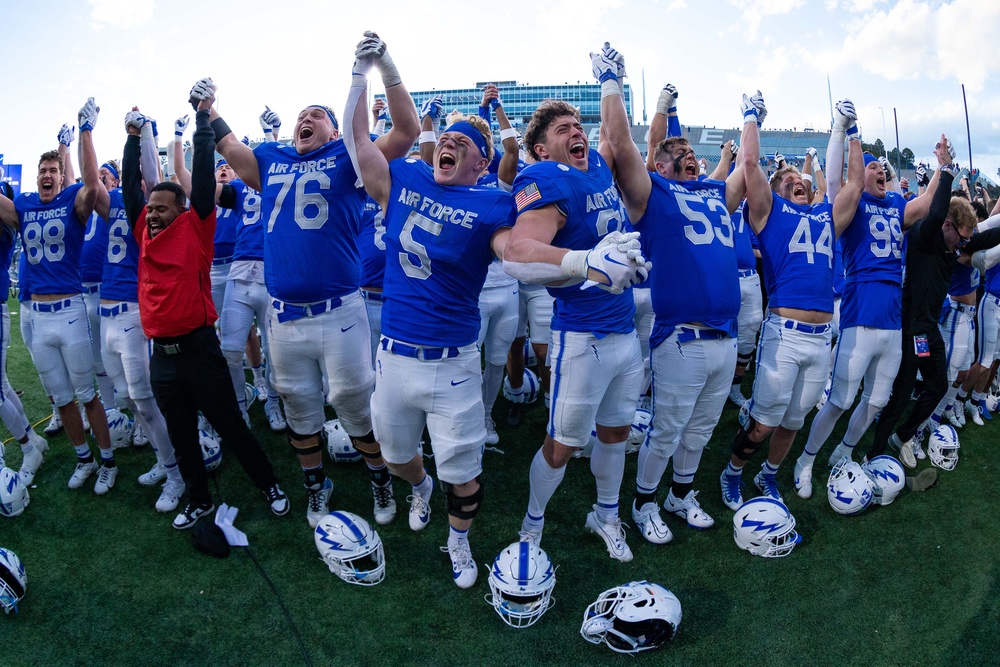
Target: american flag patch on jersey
(527, 196)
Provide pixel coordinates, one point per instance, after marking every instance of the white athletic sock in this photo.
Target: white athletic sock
(861, 419)
(821, 429)
(155, 427)
(424, 487)
(686, 463)
(543, 481)
(492, 379)
(456, 536)
(650, 470)
(607, 463)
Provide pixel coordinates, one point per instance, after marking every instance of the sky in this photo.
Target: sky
(909, 55)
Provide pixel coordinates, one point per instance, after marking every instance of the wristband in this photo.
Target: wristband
(428, 137)
(221, 129)
(807, 178)
(574, 264)
(672, 109)
(509, 133)
(610, 87)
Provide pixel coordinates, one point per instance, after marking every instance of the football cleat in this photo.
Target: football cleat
(385, 505)
(689, 509)
(731, 495)
(803, 480)
(984, 410)
(420, 512)
(170, 496)
(647, 520)
(139, 437)
(840, 452)
(736, 396)
(916, 444)
(532, 536)
(260, 386)
(613, 535)
(491, 432)
(972, 410)
(82, 472)
(105, 479)
(274, 417)
(55, 423)
(155, 475)
(463, 569)
(768, 485)
(318, 502)
(905, 451)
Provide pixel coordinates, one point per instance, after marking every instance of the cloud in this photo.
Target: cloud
(675, 5)
(916, 39)
(754, 11)
(120, 13)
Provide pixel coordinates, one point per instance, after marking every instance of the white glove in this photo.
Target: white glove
(779, 161)
(922, 178)
(135, 119)
(180, 125)
(245, 140)
(814, 154)
(948, 146)
(890, 173)
(619, 268)
(667, 99)
(758, 101)
(373, 49)
(845, 118)
(225, 516)
(202, 90)
(749, 111)
(603, 67)
(624, 242)
(87, 118)
(619, 60)
(432, 107)
(66, 134)
(270, 118)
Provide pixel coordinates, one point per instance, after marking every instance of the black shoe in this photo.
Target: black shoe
(278, 500)
(192, 512)
(516, 414)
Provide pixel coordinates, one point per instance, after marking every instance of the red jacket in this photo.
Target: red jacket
(175, 286)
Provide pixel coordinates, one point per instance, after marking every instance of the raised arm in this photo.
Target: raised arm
(665, 123)
(846, 203)
(177, 151)
(369, 162)
(131, 178)
(202, 166)
(507, 169)
(87, 196)
(67, 134)
(930, 225)
(405, 125)
(430, 112)
(758, 191)
(633, 179)
(919, 207)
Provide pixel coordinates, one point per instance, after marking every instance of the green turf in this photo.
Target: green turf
(110, 583)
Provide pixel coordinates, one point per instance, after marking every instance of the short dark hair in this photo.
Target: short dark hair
(665, 149)
(545, 115)
(54, 156)
(980, 210)
(170, 186)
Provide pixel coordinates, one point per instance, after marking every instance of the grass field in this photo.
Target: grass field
(111, 583)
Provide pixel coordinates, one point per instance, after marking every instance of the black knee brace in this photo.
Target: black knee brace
(743, 447)
(306, 450)
(456, 504)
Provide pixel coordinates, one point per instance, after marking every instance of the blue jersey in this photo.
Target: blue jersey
(95, 245)
(992, 283)
(226, 221)
(797, 247)
(688, 236)
(52, 236)
(964, 280)
(249, 233)
(593, 209)
(438, 248)
(745, 259)
(7, 238)
(371, 245)
(873, 264)
(120, 281)
(311, 209)
(23, 288)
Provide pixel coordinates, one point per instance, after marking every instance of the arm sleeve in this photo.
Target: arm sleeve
(202, 172)
(227, 198)
(131, 190)
(938, 212)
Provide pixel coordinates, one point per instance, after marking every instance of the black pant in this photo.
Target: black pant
(196, 377)
(934, 370)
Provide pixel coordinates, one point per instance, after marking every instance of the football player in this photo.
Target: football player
(317, 326)
(567, 206)
(125, 346)
(869, 348)
(52, 224)
(796, 242)
(688, 235)
(441, 233)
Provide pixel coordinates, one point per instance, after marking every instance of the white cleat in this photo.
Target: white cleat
(464, 571)
(420, 512)
(139, 437)
(803, 480)
(54, 425)
(30, 464)
(689, 509)
(491, 432)
(260, 384)
(155, 475)
(385, 505)
(613, 535)
(82, 472)
(532, 537)
(647, 520)
(275, 418)
(318, 502)
(906, 455)
(840, 452)
(105, 479)
(972, 410)
(736, 396)
(170, 497)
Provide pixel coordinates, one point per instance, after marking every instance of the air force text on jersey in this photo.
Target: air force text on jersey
(46, 214)
(432, 209)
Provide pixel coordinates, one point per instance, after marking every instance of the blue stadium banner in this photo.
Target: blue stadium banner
(12, 174)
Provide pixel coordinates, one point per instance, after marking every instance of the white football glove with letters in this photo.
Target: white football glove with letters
(66, 134)
(87, 118)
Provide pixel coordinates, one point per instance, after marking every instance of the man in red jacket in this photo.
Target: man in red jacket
(188, 371)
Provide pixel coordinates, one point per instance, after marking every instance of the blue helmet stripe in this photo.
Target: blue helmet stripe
(350, 524)
(524, 557)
